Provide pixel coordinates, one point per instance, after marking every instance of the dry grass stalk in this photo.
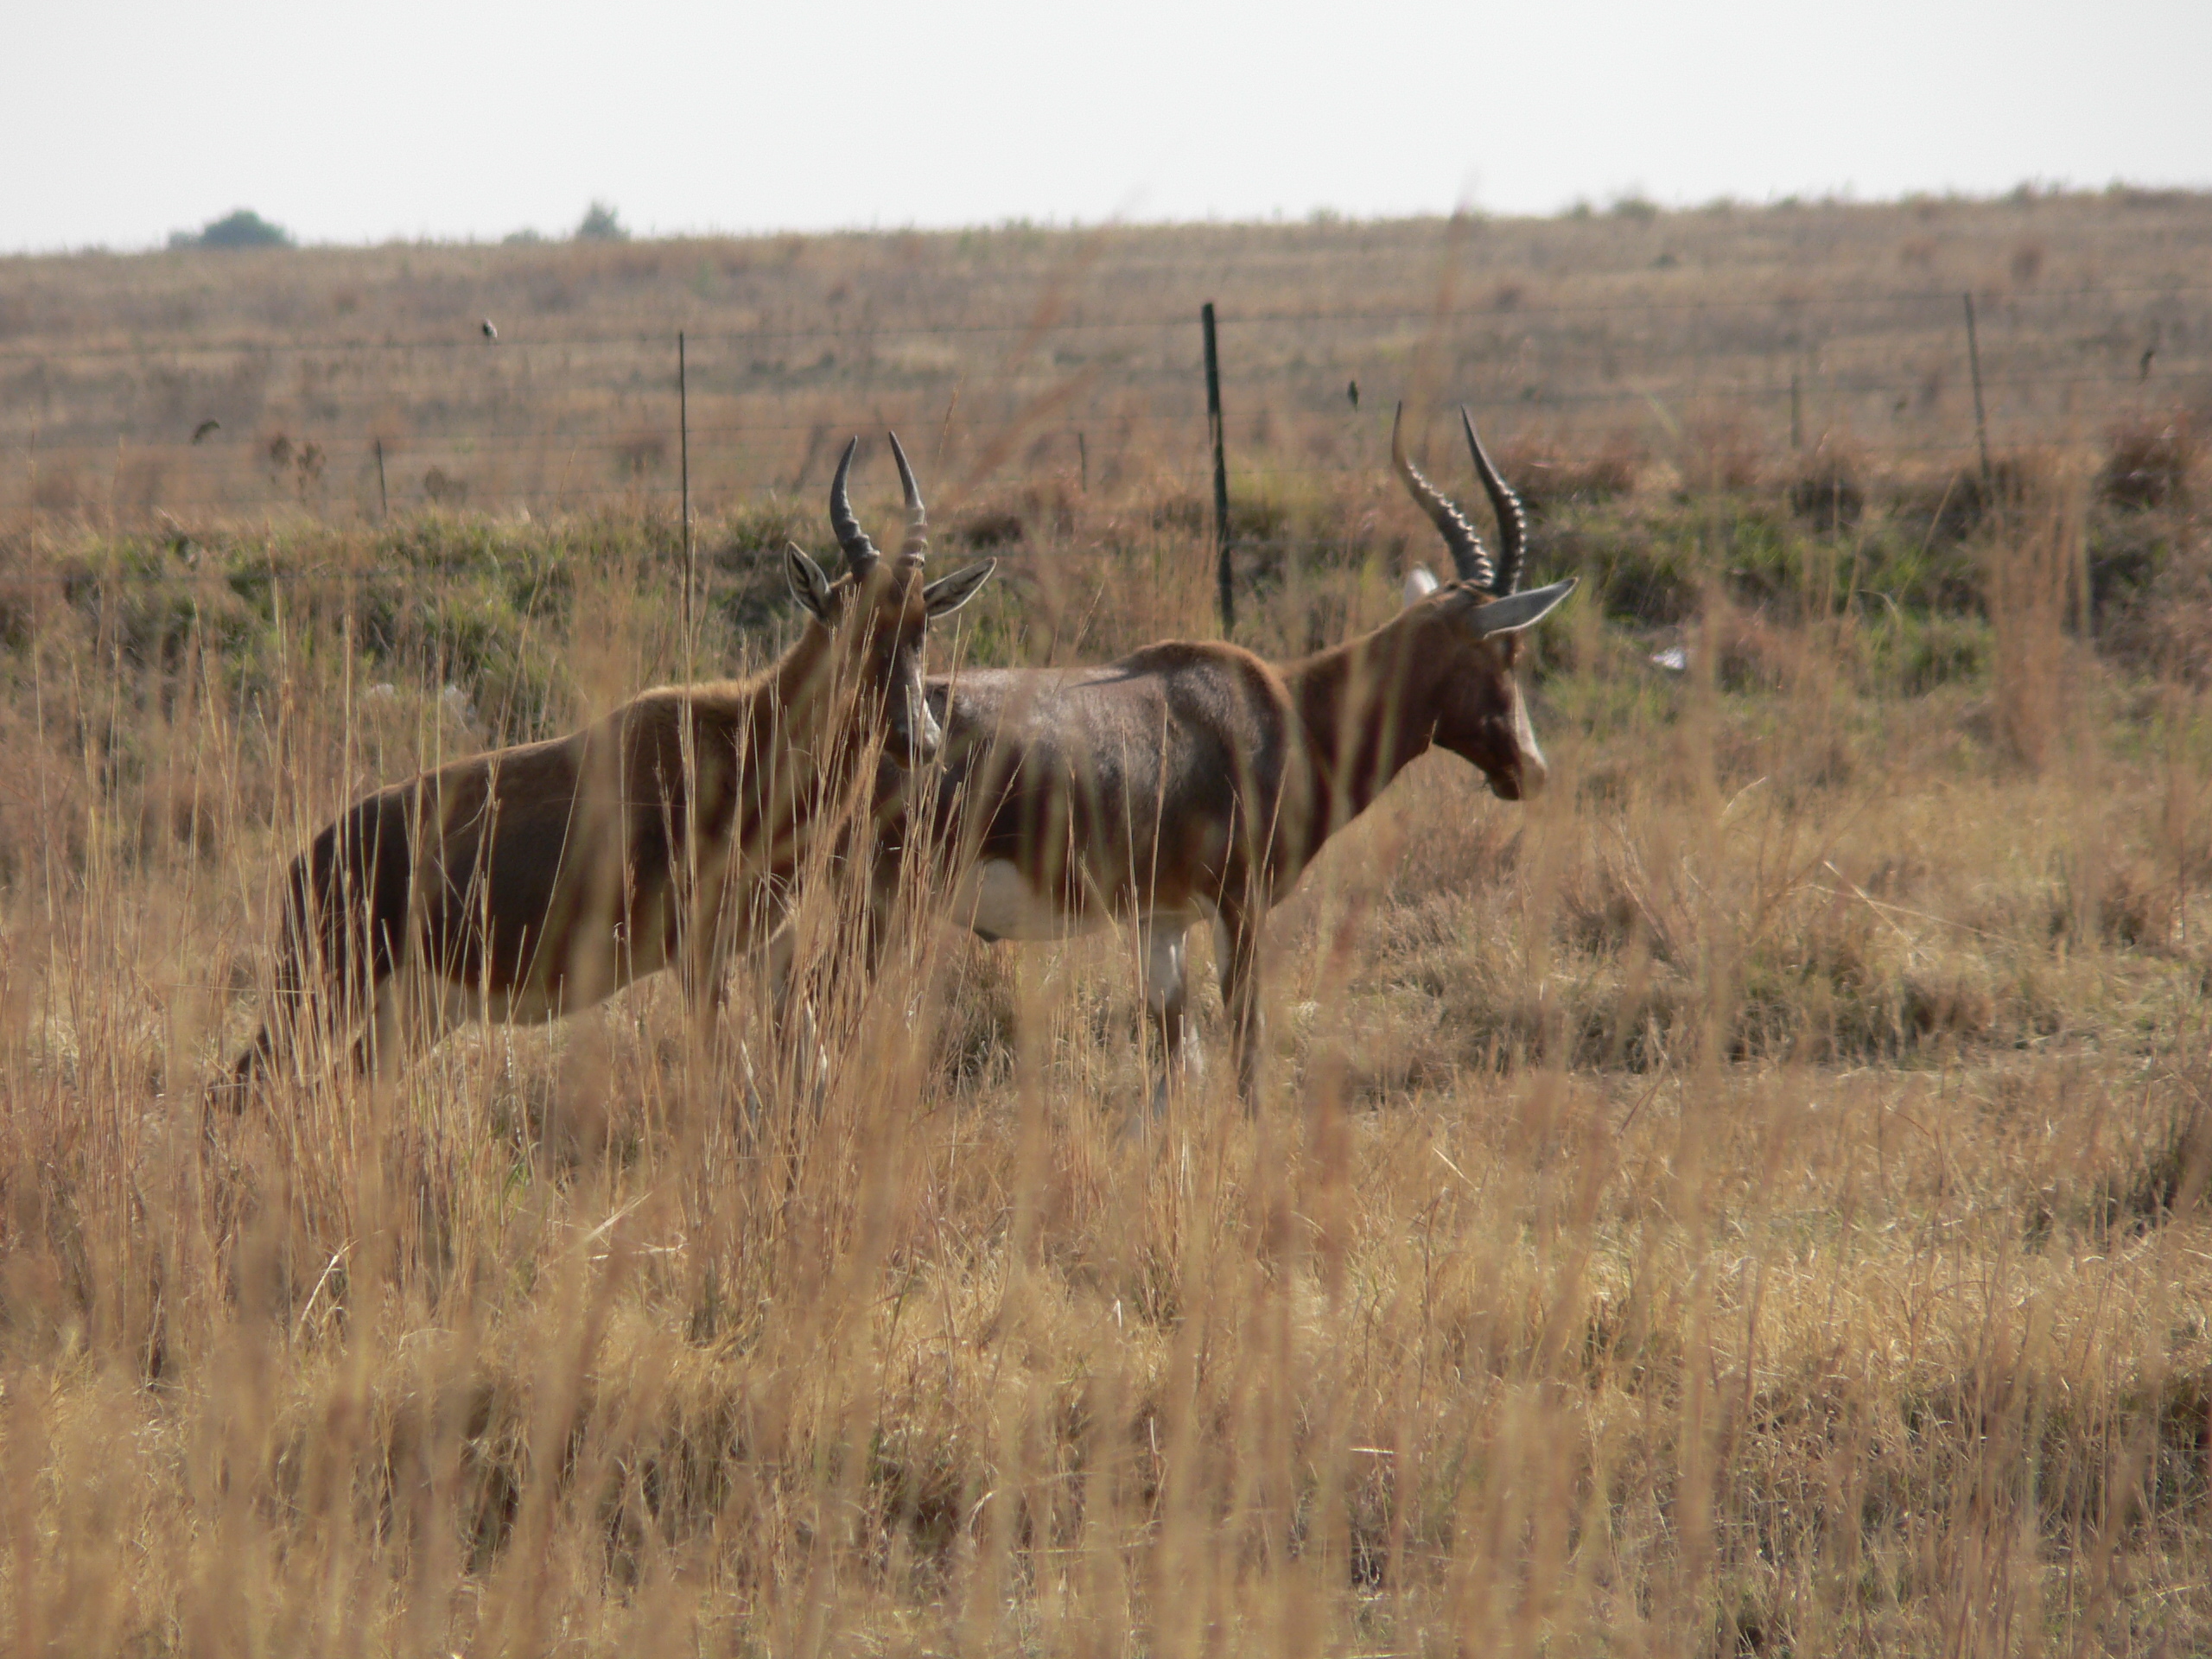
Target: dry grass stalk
(2033, 565)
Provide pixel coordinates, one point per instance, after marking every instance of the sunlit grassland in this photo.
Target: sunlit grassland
(1746, 1199)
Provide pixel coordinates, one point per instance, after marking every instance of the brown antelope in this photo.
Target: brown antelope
(1192, 780)
(535, 881)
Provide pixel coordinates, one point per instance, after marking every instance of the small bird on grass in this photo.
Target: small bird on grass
(1352, 392)
(490, 333)
(2143, 369)
(204, 428)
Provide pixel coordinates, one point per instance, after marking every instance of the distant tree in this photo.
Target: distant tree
(243, 229)
(600, 224)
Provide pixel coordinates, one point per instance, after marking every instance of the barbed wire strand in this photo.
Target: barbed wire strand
(466, 338)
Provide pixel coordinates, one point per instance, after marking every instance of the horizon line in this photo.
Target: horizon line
(1623, 203)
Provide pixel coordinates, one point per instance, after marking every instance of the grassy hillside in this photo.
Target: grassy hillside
(1728, 342)
(1748, 1200)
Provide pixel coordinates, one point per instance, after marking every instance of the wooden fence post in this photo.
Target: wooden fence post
(384, 497)
(1224, 574)
(1981, 417)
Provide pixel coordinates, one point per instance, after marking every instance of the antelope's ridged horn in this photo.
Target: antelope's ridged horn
(916, 547)
(1512, 522)
(1469, 558)
(860, 552)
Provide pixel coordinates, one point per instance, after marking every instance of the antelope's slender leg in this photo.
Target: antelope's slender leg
(797, 1034)
(1237, 942)
(409, 1012)
(862, 944)
(703, 965)
(1164, 940)
(779, 954)
(291, 1008)
(382, 1045)
(278, 1046)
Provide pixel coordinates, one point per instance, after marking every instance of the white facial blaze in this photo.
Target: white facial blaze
(926, 736)
(1534, 773)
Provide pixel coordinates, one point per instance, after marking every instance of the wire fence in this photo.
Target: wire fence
(356, 429)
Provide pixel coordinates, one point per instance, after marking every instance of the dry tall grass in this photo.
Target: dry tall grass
(1746, 1201)
(2036, 567)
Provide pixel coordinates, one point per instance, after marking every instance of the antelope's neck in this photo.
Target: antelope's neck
(806, 698)
(1367, 709)
(808, 734)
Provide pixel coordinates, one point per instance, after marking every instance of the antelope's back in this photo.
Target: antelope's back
(1113, 781)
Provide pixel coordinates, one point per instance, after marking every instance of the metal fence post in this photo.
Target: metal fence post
(1224, 574)
(684, 462)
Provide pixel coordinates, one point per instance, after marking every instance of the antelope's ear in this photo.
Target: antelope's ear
(809, 586)
(947, 594)
(1517, 611)
(1421, 583)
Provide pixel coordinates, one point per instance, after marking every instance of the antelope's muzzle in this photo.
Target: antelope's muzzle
(915, 730)
(1531, 771)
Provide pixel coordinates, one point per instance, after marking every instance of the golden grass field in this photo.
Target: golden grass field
(1748, 1200)
(1018, 351)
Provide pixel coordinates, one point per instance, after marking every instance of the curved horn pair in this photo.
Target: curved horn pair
(1469, 557)
(861, 555)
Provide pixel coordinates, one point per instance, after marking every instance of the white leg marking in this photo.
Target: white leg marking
(1164, 943)
(1164, 940)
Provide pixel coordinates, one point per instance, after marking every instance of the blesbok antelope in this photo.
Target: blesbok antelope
(1194, 781)
(536, 881)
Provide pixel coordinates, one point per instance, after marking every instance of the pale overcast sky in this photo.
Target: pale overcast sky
(428, 119)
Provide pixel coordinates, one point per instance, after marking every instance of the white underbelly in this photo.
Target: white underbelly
(994, 900)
